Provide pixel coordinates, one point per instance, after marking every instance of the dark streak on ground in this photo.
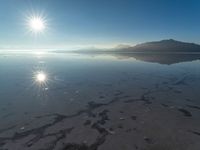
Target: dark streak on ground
(165, 105)
(99, 141)
(87, 122)
(194, 132)
(134, 117)
(39, 132)
(104, 117)
(181, 81)
(185, 112)
(6, 129)
(195, 107)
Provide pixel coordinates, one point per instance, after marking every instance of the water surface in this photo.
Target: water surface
(99, 101)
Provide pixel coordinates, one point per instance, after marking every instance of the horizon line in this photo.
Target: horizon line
(80, 47)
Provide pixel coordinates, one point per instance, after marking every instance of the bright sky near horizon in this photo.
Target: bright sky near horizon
(104, 23)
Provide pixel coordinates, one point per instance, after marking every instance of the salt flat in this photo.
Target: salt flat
(98, 102)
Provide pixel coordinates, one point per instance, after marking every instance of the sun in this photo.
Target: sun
(37, 24)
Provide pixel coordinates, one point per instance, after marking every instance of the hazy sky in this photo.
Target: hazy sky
(74, 23)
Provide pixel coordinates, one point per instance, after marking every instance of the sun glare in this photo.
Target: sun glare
(41, 77)
(37, 24)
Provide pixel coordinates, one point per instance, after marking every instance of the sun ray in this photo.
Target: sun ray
(36, 23)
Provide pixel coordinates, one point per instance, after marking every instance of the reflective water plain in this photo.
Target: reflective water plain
(71, 101)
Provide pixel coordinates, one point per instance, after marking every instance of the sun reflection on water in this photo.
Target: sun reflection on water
(40, 77)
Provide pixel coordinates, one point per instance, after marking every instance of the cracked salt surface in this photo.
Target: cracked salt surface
(99, 105)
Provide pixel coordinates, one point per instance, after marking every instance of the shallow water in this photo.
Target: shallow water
(97, 100)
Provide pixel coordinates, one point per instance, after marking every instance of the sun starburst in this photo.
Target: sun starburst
(36, 23)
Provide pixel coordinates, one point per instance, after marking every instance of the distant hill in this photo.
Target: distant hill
(122, 46)
(163, 52)
(162, 46)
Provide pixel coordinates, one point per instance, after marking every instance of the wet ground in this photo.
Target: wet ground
(99, 102)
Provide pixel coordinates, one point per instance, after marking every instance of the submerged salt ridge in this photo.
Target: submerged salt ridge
(98, 102)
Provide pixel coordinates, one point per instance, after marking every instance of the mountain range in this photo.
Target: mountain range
(164, 52)
(161, 46)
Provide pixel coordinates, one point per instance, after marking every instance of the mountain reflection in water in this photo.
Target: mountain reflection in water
(161, 58)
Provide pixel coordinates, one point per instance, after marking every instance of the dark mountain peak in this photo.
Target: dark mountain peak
(168, 45)
(169, 40)
(165, 41)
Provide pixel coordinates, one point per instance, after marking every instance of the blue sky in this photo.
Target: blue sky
(105, 23)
